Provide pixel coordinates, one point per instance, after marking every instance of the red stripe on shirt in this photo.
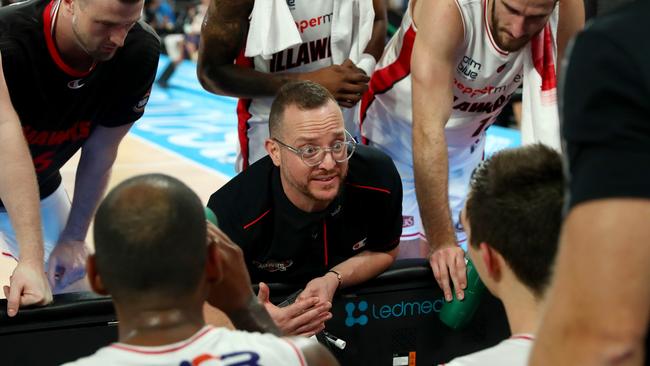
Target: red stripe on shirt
(125, 347)
(257, 219)
(243, 113)
(6, 254)
(325, 242)
(301, 357)
(383, 80)
(523, 336)
(383, 190)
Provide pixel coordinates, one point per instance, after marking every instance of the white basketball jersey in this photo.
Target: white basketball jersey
(208, 347)
(485, 77)
(314, 22)
(511, 352)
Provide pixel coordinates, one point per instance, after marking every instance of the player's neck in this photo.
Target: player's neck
(522, 308)
(64, 38)
(159, 327)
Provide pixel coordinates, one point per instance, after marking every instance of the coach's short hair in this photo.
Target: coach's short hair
(515, 206)
(306, 95)
(150, 238)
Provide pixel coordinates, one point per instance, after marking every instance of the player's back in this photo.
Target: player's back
(220, 346)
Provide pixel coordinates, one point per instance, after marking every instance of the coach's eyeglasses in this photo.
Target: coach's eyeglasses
(314, 155)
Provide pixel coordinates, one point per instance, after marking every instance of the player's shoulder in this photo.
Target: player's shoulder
(19, 18)
(266, 346)
(373, 168)
(142, 38)
(508, 352)
(96, 359)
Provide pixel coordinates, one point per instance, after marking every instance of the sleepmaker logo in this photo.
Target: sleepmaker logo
(362, 312)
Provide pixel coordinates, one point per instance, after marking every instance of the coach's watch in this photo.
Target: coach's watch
(338, 277)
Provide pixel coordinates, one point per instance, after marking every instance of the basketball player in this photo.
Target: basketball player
(512, 245)
(466, 62)
(159, 300)
(224, 70)
(76, 75)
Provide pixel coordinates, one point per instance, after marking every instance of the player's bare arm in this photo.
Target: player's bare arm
(223, 36)
(571, 21)
(19, 194)
(93, 171)
(440, 32)
(599, 249)
(377, 41)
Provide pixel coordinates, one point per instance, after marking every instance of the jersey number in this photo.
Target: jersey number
(481, 127)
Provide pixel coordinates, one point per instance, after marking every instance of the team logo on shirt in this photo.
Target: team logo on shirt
(360, 244)
(273, 266)
(407, 221)
(76, 84)
(139, 108)
(236, 358)
(469, 68)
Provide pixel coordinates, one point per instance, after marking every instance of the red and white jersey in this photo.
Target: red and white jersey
(314, 22)
(511, 352)
(485, 77)
(208, 347)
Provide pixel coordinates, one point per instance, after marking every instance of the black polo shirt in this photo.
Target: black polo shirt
(606, 107)
(282, 243)
(59, 107)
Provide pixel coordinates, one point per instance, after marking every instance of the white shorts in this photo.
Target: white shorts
(174, 46)
(55, 209)
(460, 172)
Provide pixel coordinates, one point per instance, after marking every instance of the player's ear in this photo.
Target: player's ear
(213, 267)
(273, 149)
(94, 278)
(491, 260)
(68, 5)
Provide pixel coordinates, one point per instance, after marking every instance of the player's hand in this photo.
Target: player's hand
(233, 293)
(346, 82)
(28, 285)
(449, 261)
(67, 263)
(305, 317)
(322, 287)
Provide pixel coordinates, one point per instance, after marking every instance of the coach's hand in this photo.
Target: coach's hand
(28, 286)
(305, 317)
(67, 263)
(322, 287)
(346, 82)
(446, 261)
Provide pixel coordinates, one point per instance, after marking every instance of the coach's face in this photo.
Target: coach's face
(516, 22)
(101, 26)
(310, 188)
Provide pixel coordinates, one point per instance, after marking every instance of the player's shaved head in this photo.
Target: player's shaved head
(150, 238)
